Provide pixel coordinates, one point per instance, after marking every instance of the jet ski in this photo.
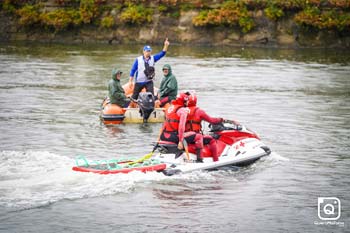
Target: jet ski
(236, 144)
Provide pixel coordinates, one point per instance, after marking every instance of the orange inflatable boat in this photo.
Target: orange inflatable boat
(144, 110)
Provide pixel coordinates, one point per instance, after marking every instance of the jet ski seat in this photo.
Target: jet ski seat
(167, 147)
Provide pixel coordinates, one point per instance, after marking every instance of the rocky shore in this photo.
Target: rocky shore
(284, 32)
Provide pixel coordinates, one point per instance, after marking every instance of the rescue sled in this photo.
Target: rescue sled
(115, 166)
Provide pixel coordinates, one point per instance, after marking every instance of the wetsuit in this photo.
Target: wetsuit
(192, 131)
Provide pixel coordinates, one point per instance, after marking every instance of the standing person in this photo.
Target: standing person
(116, 92)
(143, 69)
(168, 87)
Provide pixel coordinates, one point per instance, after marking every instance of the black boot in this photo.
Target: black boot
(199, 157)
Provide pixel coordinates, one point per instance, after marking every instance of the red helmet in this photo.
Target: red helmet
(181, 99)
(192, 100)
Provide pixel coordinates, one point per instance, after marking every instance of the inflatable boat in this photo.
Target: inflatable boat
(139, 111)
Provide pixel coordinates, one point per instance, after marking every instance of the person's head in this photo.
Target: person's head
(166, 70)
(186, 99)
(147, 51)
(192, 99)
(181, 99)
(116, 73)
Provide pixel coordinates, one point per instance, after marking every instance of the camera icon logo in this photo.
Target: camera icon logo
(329, 208)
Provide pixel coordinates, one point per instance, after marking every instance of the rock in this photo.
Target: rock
(259, 37)
(285, 39)
(147, 34)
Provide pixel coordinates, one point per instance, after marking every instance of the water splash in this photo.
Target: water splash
(277, 157)
(32, 179)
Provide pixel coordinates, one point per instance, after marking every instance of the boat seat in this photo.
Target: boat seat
(167, 147)
(166, 142)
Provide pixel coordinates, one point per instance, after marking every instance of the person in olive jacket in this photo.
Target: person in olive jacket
(116, 92)
(168, 86)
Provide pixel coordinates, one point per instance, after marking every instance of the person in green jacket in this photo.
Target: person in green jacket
(116, 92)
(168, 86)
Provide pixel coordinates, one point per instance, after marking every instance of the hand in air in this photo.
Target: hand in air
(166, 42)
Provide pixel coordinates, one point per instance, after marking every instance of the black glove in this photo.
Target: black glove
(228, 121)
(236, 124)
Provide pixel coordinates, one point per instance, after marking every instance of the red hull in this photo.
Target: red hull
(157, 167)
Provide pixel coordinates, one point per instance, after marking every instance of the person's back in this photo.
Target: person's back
(175, 119)
(196, 115)
(193, 128)
(171, 124)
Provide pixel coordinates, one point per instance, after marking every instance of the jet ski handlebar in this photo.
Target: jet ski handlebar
(233, 125)
(230, 122)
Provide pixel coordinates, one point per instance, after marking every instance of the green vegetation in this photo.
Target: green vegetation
(324, 19)
(231, 13)
(273, 12)
(88, 10)
(61, 19)
(6, 6)
(136, 14)
(107, 22)
(29, 15)
(318, 14)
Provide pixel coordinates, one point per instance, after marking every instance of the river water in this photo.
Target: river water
(297, 101)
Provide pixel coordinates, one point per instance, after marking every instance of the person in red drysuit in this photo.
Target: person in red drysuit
(170, 129)
(191, 129)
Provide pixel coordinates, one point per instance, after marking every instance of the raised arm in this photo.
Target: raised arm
(163, 52)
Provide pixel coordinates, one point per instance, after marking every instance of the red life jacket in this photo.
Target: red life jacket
(193, 123)
(172, 120)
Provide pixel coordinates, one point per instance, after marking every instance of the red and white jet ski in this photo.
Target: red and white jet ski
(236, 145)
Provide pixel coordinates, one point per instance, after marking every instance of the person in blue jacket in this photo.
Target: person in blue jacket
(143, 69)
